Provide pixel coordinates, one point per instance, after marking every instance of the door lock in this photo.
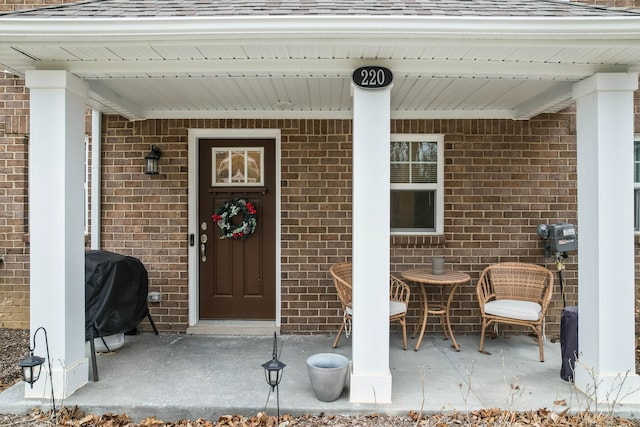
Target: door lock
(203, 247)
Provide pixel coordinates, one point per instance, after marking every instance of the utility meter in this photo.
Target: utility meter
(559, 237)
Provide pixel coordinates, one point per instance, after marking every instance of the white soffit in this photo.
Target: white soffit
(252, 67)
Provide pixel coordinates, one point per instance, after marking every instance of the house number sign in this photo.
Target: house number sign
(372, 77)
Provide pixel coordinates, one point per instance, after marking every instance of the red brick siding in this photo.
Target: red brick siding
(614, 3)
(502, 179)
(11, 5)
(14, 248)
(14, 271)
(145, 216)
(14, 237)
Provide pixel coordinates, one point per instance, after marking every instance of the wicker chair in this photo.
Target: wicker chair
(515, 293)
(399, 293)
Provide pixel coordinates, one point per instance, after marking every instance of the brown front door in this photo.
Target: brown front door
(237, 276)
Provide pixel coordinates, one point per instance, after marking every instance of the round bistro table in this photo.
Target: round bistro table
(449, 279)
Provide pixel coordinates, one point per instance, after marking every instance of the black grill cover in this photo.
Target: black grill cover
(115, 293)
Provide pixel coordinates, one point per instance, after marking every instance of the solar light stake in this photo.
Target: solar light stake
(273, 372)
(32, 365)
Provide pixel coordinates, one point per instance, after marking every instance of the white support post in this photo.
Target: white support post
(56, 228)
(96, 177)
(371, 376)
(606, 325)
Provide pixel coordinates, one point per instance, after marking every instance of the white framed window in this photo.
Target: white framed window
(87, 212)
(636, 183)
(417, 184)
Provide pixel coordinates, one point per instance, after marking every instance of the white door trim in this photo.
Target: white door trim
(195, 135)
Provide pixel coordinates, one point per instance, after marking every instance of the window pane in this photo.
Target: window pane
(400, 173)
(636, 212)
(424, 156)
(636, 161)
(413, 209)
(221, 174)
(400, 168)
(254, 167)
(399, 152)
(424, 152)
(424, 173)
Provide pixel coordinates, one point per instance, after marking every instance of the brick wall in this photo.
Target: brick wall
(14, 271)
(14, 248)
(502, 179)
(11, 5)
(145, 216)
(614, 3)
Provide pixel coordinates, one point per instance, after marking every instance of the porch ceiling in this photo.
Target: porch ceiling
(277, 67)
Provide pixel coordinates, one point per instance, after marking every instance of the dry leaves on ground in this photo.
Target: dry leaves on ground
(74, 417)
(14, 346)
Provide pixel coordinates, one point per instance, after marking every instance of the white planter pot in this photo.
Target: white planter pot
(328, 374)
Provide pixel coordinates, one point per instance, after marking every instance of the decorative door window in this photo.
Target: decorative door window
(233, 166)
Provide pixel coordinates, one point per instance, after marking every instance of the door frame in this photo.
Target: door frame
(195, 135)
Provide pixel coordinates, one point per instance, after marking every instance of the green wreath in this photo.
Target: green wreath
(222, 216)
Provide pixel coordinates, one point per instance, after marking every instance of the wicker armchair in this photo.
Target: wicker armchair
(399, 293)
(515, 293)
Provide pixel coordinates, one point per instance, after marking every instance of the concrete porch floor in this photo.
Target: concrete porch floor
(176, 377)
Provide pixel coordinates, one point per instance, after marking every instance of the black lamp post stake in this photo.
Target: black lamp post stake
(273, 372)
(32, 365)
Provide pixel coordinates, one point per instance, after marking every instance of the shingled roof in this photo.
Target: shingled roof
(195, 8)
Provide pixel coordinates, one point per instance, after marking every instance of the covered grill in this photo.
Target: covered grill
(116, 288)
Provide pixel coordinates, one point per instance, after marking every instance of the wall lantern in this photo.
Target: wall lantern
(273, 370)
(151, 161)
(32, 365)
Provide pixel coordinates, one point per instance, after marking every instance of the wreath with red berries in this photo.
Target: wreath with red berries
(229, 209)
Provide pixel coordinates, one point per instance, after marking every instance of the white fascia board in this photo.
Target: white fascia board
(313, 67)
(332, 27)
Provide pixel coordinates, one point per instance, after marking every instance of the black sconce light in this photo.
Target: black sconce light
(32, 365)
(151, 161)
(273, 370)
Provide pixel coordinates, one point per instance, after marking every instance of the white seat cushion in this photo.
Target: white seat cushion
(522, 310)
(395, 307)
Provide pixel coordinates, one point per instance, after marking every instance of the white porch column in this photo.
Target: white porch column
(371, 376)
(606, 325)
(56, 209)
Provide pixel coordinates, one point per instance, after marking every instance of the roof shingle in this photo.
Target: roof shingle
(211, 8)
